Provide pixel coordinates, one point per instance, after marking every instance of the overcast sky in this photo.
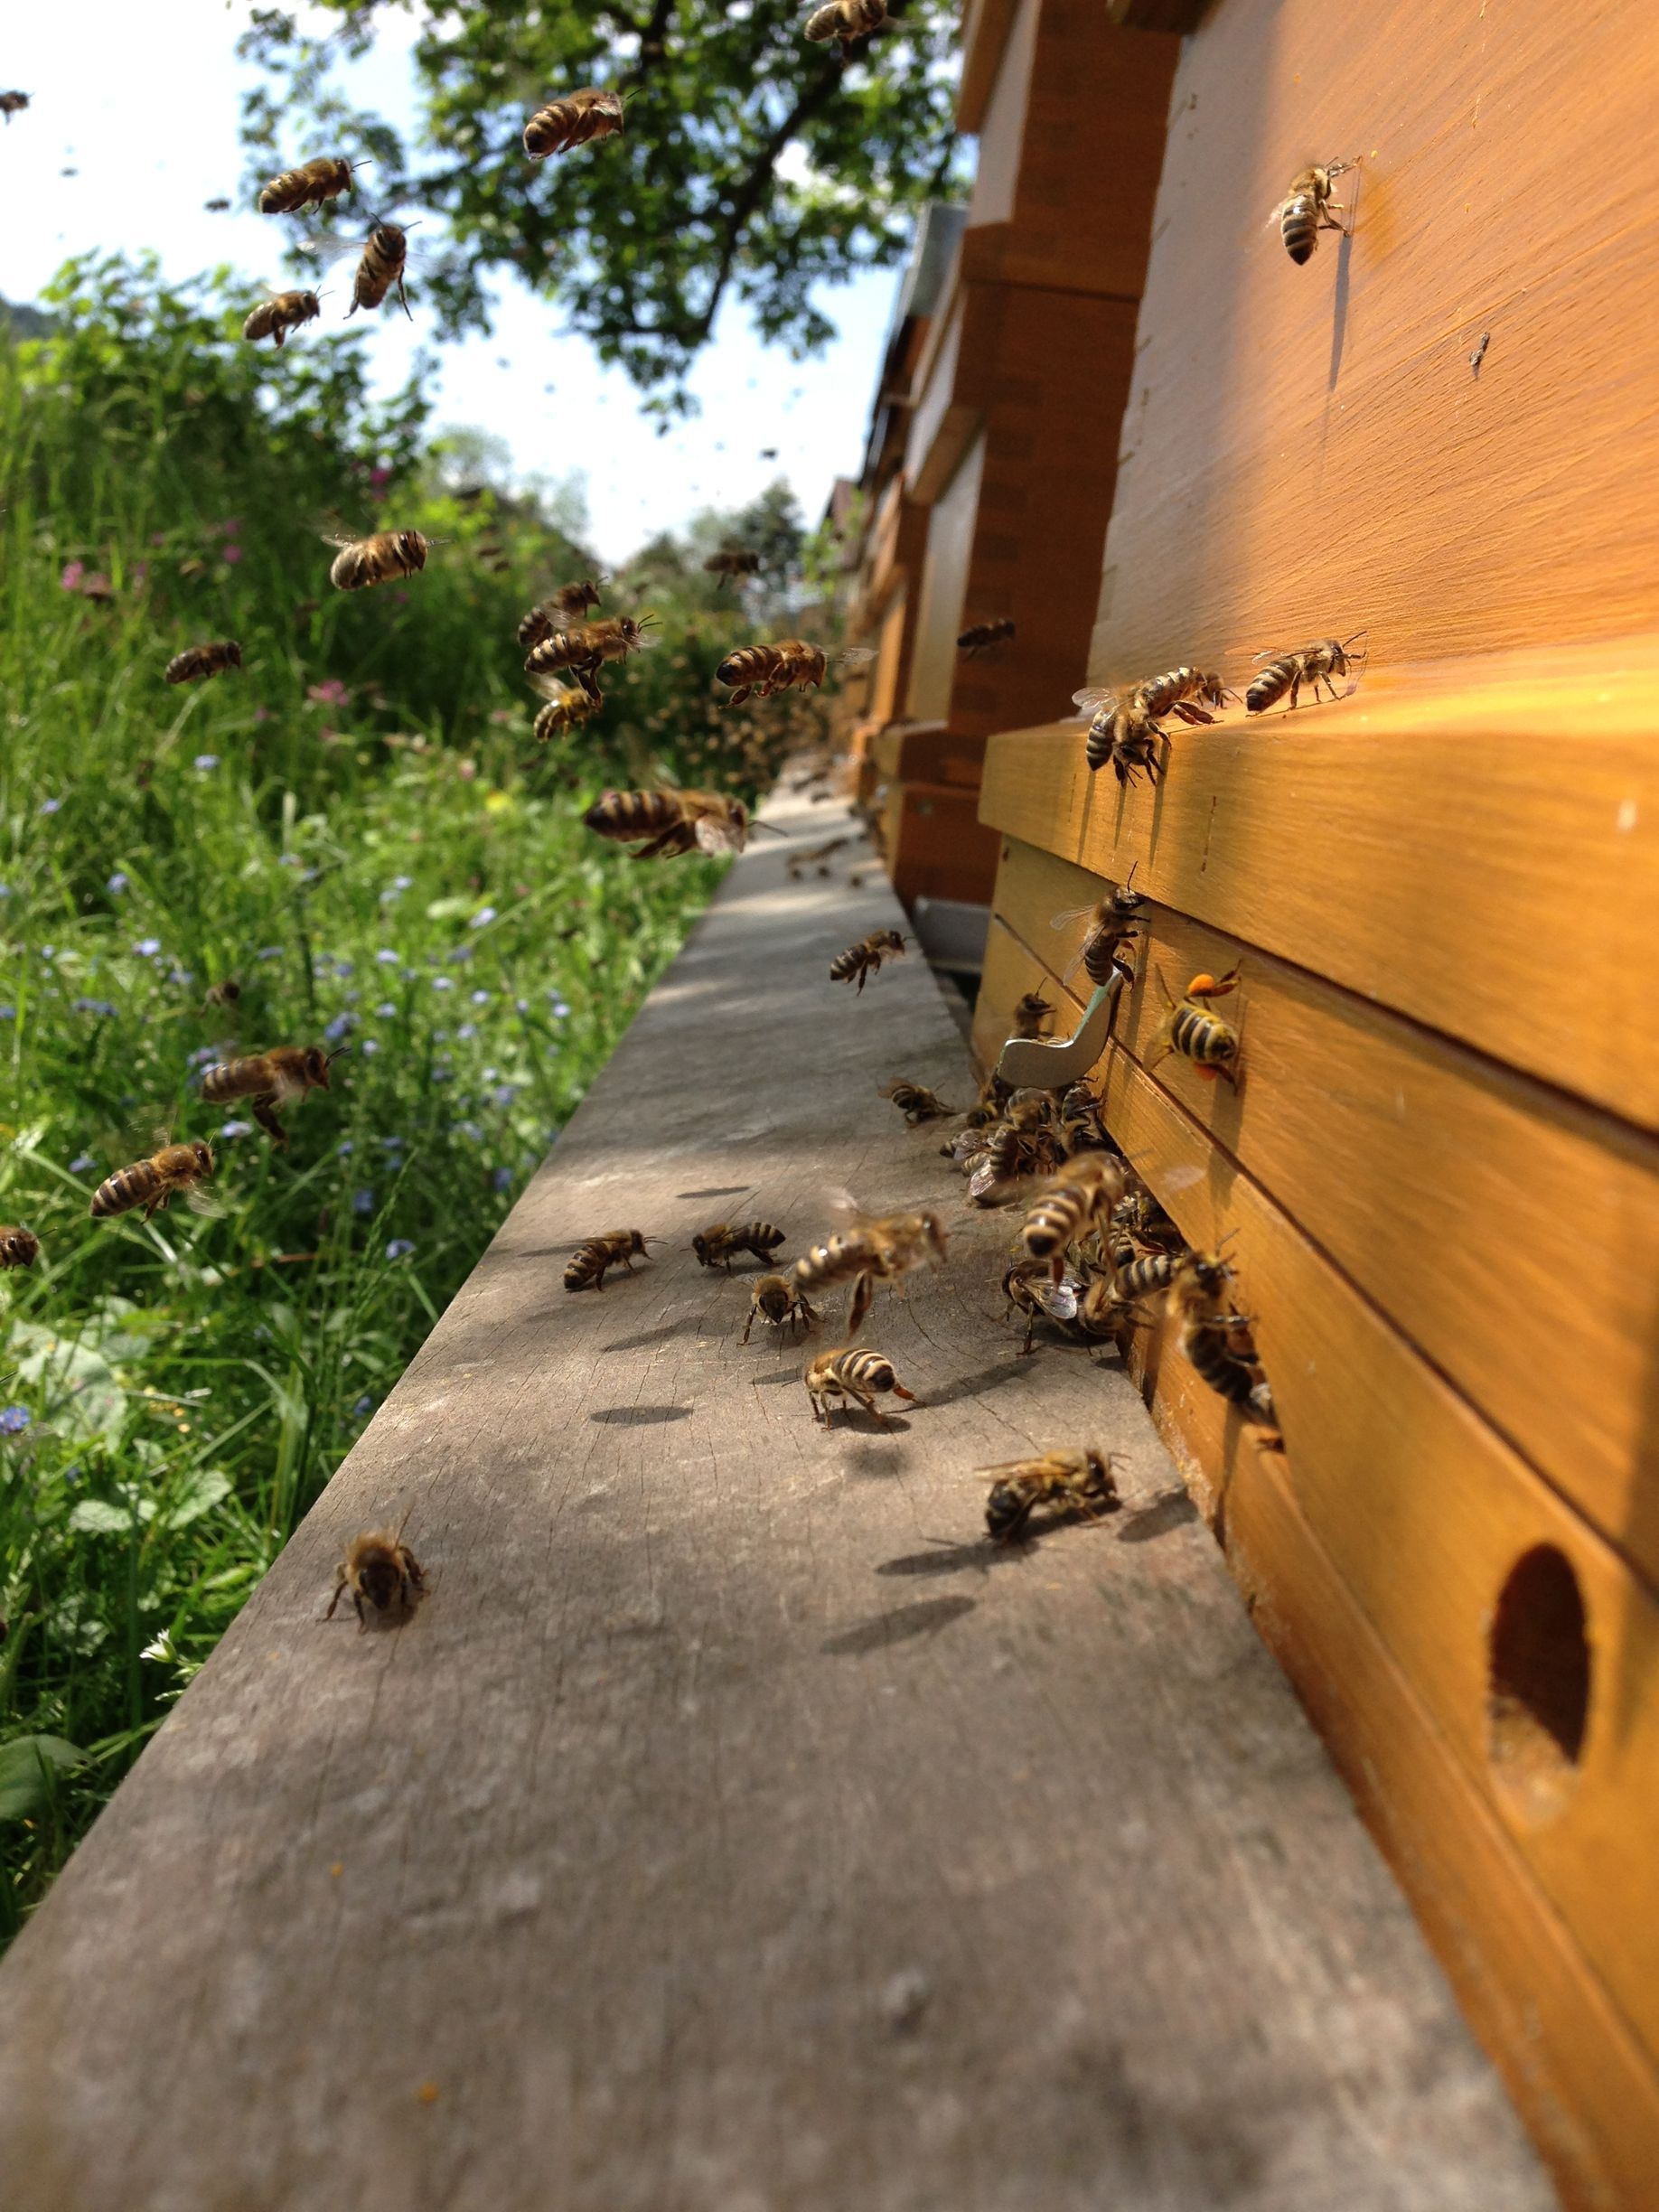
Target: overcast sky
(142, 102)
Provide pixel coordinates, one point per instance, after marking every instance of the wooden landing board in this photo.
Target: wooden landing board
(733, 1827)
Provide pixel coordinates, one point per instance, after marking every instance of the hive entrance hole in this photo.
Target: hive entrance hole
(1538, 1682)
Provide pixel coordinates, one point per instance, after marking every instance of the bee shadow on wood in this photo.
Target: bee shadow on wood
(685, 1326)
(977, 1384)
(951, 1557)
(903, 1626)
(855, 1422)
(1162, 1517)
(640, 1416)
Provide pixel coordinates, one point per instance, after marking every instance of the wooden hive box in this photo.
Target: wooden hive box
(1439, 1168)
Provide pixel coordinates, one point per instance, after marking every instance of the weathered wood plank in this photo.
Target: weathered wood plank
(732, 1827)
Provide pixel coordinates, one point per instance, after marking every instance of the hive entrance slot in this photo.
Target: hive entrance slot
(1538, 1682)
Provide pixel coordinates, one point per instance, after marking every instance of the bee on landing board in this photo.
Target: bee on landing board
(917, 1104)
(980, 636)
(719, 1244)
(774, 1299)
(270, 1080)
(309, 185)
(1030, 1290)
(861, 1376)
(1079, 1197)
(1204, 1038)
(670, 821)
(19, 1248)
(760, 672)
(585, 648)
(576, 119)
(863, 960)
(732, 564)
(1122, 732)
(197, 661)
(151, 1183)
(1313, 665)
(587, 1266)
(845, 21)
(282, 313)
(362, 561)
(1067, 1483)
(868, 1251)
(1189, 692)
(1307, 208)
(379, 1566)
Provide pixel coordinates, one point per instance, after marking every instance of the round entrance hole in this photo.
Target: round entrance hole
(1538, 1682)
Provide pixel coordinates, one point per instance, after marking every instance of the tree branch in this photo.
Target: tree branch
(757, 184)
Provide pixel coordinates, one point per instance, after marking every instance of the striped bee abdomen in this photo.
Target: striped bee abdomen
(1200, 1038)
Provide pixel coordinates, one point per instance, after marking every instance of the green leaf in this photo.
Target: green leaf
(26, 1764)
(196, 1495)
(97, 1517)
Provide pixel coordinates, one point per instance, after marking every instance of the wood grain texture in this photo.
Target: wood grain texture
(985, 29)
(1309, 449)
(1510, 1232)
(935, 844)
(945, 570)
(731, 1828)
(1475, 847)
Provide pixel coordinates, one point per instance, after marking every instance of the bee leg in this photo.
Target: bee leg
(403, 297)
(362, 1618)
(263, 1112)
(335, 1600)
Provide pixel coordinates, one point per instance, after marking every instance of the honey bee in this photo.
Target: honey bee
(565, 710)
(1029, 1290)
(1081, 1127)
(559, 611)
(719, 1244)
(1031, 1014)
(1188, 692)
(594, 112)
(1216, 1341)
(13, 103)
(270, 1080)
(1102, 1311)
(916, 1102)
(151, 1183)
(1067, 1483)
(1100, 954)
(307, 187)
(363, 561)
(1314, 664)
(1006, 1155)
(670, 821)
(976, 639)
(1204, 1039)
(864, 959)
(863, 1376)
(994, 1095)
(869, 1251)
(386, 255)
(19, 1248)
(381, 1567)
(588, 1264)
(225, 994)
(197, 661)
(1122, 732)
(282, 313)
(1080, 1197)
(216, 206)
(1141, 1277)
(774, 1299)
(847, 22)
(792, 664)
(584, 649)
(734, 562)
(1307, 209)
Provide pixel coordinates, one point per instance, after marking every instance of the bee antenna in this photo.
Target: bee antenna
(336, 1055)
(1130, 878)
(771, 828)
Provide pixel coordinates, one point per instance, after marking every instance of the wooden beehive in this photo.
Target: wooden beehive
(1439, 1169)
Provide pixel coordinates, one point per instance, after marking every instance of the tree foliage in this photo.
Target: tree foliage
(753, 165)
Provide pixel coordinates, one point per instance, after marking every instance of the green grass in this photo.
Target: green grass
(353, 830)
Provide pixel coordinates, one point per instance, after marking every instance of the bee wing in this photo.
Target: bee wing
(841, 1203)
(984, 1182)
(1057, 1300)
(550, 687)
(323, 249)
(1278, 214)
(853, 656)
(199, 1201)
(717, 835)
(286, 1088)
(1071, 913)
(1096, 702)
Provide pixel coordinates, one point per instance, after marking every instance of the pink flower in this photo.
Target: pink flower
(469, 769)
(330, 692)
(141, 569)
(231, 526)
(158, 537)
(262, 714)
(97, 587)
(379, 476)
(502, 716)
(232, 554)
(73, 573)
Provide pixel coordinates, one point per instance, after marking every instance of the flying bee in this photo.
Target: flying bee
(594, 112)
(864, 959)
(1313, 665)
(1208, 1042)
(282, 313)
(560, 610)
(916, 1102)
(1143, 1276)
(1067, 1483)
(584, 649)
(1188, 692)
(13, 103)
(1307, 209)
(670, 821)
(307, 187)
(565, 710)
(774, 1299)
(268, 1079)
(1078, 1198)
(1031, 1014)
(363, 561)
(1122, 732)
(792, 664)
(869, 1251)
(197, 661)
(847, 22)
(381, 1567)
(386, 254)
(1112, 926)
(585, 1269)
(216, 206)
(720, 1243)
(151, 1183)
(863, 1376)
(1030, 1291)
(980, 636)
(19, 1248)
(225, 994)
(731, 564)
